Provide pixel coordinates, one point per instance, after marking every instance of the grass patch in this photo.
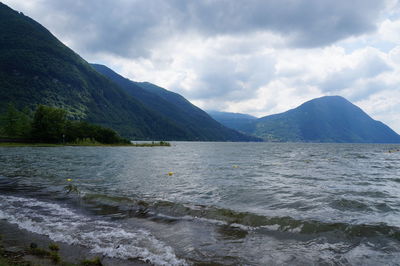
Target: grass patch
(39, 252)
(11, 258)
(18, 144)
(12, 262)
(153, 144)
(54, 247)
(55, 257)
(92, 262)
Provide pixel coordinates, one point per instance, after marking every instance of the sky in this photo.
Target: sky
(258, 57)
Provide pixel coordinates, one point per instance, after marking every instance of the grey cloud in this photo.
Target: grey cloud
(132, 28)
(307, 23)
(231, 80)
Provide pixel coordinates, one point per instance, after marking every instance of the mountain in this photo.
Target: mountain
(198, 125)
(232, 120)
(36, 68)
(325, 119)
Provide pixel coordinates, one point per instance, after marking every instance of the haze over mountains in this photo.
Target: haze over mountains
(232, 120)
(36, 68)
(325, 119)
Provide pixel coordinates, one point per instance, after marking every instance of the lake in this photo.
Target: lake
(205, 202)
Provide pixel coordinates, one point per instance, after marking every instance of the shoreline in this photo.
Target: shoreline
(15, 249)
(22, 144)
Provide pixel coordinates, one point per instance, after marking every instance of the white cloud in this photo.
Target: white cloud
(389, 30)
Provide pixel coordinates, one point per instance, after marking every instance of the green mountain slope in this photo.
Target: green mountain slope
(36, 68)
(198, 124)
(325, 119)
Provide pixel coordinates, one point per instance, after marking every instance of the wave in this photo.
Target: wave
(104, 237)
(164, 211)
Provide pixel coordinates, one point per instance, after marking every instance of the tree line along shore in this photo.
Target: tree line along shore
(50, 126)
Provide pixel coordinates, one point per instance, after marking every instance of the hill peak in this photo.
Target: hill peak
(335, 99)
(323, 119)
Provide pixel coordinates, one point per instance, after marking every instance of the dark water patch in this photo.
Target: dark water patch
(383, 207)
(371, 194)
(348, 204)
(356, 156)
(227, 232)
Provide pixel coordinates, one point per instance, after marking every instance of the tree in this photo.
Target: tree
(76, 131)
(49, 124)
(16, 123)
(11, 121)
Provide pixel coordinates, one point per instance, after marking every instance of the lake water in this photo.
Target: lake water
(223, 203)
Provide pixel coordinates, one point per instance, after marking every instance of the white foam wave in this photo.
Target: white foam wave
(104, 237)
(210, 221)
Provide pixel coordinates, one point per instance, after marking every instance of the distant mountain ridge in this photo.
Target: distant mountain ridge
(198, 125)
(325, 119)
(235, 121)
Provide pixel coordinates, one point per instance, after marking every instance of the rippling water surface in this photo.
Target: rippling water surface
(227, 203)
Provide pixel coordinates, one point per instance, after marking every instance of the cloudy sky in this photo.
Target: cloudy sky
(251, 56)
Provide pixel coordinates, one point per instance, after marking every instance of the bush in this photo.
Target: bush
(49, 124)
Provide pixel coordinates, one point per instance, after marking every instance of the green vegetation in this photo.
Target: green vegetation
(15, 123)
(81, 132)
(39, 252)
(152, 144)
(12, 261)
(92, 262)
(50, 125)
(24, 144)
(55, 257)
(54, 247)
(8, 258)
